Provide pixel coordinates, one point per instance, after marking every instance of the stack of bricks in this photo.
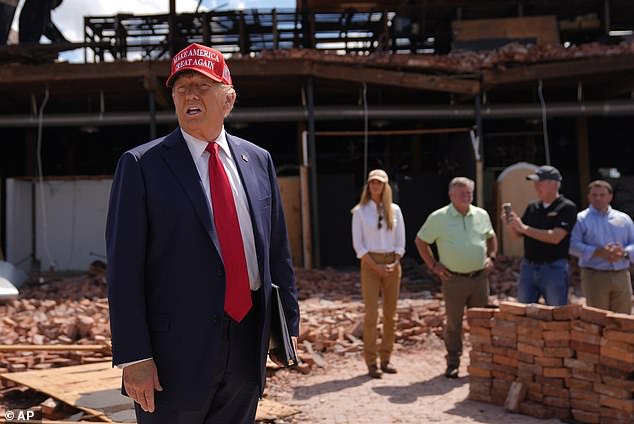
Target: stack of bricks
(564, 362)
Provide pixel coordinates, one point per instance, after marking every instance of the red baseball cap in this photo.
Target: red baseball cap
(205, 60)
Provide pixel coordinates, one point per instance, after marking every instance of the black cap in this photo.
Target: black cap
(545, 173)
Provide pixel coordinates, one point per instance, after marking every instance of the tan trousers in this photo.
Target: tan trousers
(371, 286)
(459, 292)
(607, 290)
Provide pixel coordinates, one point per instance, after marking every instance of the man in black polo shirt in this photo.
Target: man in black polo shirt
(545, 226)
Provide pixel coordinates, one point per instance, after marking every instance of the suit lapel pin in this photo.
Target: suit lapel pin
(245, 158)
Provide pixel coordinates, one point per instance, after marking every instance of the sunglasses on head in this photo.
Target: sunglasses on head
(379, 224)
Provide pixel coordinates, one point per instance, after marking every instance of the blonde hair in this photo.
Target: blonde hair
(386, 203)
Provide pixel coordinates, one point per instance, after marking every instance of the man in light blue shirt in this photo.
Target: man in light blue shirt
(603, 240)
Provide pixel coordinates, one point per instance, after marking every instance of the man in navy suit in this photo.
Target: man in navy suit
(195, 237)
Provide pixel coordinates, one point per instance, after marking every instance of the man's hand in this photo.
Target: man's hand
(488, 264)
(616, 252)
(279, 361)
(140, 380)
(515, 223)
(442, 272)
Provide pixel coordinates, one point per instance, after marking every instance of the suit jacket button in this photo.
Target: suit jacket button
(216, 317)
(220, 272)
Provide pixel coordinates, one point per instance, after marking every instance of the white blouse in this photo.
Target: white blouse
(368, 237)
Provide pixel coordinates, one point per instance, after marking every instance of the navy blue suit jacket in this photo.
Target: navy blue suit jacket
(166, 280)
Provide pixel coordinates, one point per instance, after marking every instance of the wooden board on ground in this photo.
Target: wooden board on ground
(95, 389)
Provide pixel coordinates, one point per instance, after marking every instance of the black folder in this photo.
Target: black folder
(281, 343)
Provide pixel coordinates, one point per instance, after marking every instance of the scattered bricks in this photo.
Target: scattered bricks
(620, 404)
(559, 352)
(618, 336)
(506, 369)
(585, 395)
(579, 365)
(585, 347)
(535, 396)
(516, 395)
(513, 308)
(530, 349)
(579, 385)
(552, 372)
(556, 401)
(594, 315)
(585, 405)
(540, 312)
(547, 361)
(567, 312)
(536, 410)
(480, 313)
(479, 372)
(585, 416)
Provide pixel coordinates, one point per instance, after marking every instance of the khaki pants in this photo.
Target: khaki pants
(607, 290)
(371, 286)
(459, 292)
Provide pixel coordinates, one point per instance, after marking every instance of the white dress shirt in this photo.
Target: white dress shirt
(201, 159)
(367, 237)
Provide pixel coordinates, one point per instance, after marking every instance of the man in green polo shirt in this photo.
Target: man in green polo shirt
(467, 247)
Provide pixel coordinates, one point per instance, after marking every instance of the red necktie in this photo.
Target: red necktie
(237, 290)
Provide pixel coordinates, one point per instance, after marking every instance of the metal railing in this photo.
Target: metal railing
(152, 37)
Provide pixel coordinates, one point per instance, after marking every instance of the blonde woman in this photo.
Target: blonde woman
(378, 238)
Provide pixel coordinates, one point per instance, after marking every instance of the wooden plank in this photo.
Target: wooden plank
(570, 70)
(54, 348)
(289, 190)
(543, 28)
(95, 389)
(395, 78)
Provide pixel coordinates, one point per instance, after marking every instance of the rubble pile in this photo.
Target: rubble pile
(72, 311)
(462, 61)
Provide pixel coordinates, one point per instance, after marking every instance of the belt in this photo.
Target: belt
(382, 254)
(472, 274)
(605, 270)
(542, 262)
